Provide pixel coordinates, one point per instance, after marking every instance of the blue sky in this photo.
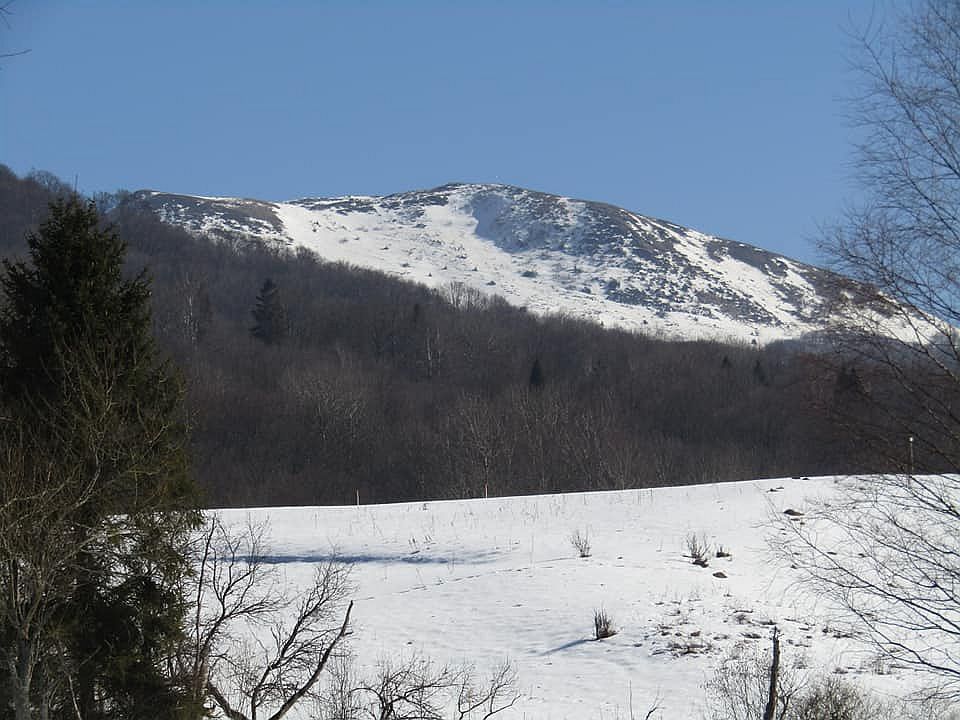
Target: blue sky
(723, 116)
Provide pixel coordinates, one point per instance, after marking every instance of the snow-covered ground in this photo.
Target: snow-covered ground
(491, 579)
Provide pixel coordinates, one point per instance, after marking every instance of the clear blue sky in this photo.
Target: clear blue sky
(723, 116)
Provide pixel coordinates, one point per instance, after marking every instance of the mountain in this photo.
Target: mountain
(543, 252)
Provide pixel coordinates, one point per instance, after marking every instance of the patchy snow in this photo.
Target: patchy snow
(449, 248)
(546, 253)
(487, 579)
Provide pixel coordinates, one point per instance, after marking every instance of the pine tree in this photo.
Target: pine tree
(536, 375)
(847, 384)
(270, 315)
(759, 374)
(81, 376)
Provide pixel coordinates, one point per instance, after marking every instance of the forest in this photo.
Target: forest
(317, 383)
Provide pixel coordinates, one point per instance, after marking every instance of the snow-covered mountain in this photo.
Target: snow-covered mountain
(543, 252)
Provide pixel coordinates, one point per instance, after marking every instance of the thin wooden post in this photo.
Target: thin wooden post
(772, 697)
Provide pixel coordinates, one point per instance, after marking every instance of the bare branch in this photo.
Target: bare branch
(246, 675)
(5, 13)
(886, 548)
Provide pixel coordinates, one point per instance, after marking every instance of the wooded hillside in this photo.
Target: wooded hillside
(310, 382)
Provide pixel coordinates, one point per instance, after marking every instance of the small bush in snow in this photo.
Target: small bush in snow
(697, 549)
(581, 543)
(602, 625)
(831, 697)
(740, 689)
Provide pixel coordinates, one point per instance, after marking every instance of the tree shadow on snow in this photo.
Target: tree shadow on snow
(566, 646)
(410, 558)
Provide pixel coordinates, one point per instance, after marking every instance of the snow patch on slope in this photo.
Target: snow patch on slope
(546, 253)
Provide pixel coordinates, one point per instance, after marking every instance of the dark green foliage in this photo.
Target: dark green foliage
(536, 375)
(270, 315)
(76, 353)
(71, 292)
(759, 374)
(82, 379)
(848, 385)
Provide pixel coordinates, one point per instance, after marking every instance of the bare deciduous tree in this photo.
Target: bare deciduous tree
(418, 689)
(54, 480)
(757, 687)
(259, 648)
(753, 687)
(887, 547)
(37, 504)
(886, 550)
(773, 689)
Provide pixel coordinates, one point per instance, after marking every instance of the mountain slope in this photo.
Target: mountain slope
(543, 252)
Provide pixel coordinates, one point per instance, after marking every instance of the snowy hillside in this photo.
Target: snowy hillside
(483, 580)
(543, 252)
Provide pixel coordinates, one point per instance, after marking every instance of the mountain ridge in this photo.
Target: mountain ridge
(545, 252)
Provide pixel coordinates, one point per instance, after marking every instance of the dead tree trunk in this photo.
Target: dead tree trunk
(772, 696)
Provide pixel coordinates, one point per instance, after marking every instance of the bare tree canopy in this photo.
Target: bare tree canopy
(905, 237)
(258, 647)
(887, 548)
(5, 13)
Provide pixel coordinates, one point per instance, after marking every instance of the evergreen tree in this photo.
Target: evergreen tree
(536, 375)
(270, 315)
(847, 384)
(103, 414)
(759, 374)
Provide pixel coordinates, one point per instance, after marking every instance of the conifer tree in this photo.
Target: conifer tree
(536, 375)
(759, 374)
(102, 414)
(270, 315)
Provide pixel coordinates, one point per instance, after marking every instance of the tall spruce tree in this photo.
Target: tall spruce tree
(270, 315)
(536, 375)
(102, 416)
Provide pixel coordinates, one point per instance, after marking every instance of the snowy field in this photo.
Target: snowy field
(486, 580)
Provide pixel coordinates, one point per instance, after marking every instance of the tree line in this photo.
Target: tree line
(310, 382)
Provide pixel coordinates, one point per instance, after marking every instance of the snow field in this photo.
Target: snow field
(480, 581)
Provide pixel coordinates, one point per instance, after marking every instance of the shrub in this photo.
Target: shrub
(697, 549)
(602, 625)
(581, 543)
(832, 697)
(740, 686)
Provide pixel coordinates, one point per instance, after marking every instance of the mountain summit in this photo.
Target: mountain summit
(543, 252)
